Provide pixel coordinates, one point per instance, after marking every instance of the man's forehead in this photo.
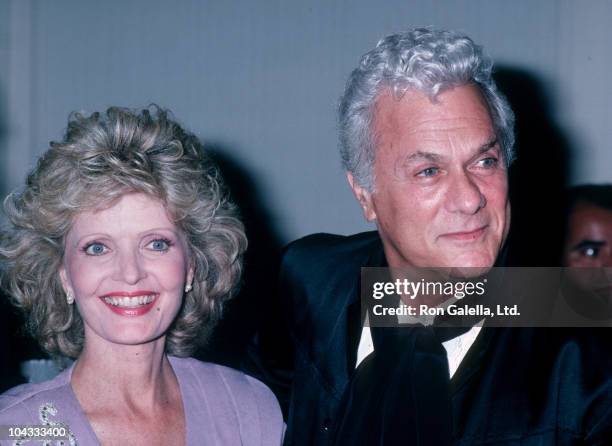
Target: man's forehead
(415, 127)
(415, 111)
(587, 212)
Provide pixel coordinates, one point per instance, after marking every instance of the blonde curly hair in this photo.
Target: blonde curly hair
(101, 158)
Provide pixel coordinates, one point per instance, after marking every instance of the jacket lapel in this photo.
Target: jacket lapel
(354, 328)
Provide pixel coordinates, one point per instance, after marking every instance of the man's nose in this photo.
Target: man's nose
(129, 267)
(464, 195)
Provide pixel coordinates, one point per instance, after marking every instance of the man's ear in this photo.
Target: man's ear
(364, 197)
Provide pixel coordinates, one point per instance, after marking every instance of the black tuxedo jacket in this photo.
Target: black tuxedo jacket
(516, 386)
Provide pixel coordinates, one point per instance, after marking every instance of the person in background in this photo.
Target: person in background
(121, 249)
(589, 227)
(587, 251)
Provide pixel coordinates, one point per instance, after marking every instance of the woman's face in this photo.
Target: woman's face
(127, 266)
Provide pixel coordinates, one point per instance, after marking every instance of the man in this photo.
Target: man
(587, 252)
(426, 140)
(589, 231)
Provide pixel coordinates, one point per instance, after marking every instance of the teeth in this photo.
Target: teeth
(129, 302)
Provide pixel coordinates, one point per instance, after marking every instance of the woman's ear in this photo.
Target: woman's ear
(66, 285)
(189, 280)
(64, 279)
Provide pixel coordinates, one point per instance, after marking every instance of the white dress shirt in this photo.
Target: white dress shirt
(456, 348)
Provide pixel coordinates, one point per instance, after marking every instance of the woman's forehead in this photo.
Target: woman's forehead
(133, 212)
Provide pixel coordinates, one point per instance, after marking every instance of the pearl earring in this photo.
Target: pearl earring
(69, 297)
(188, 288)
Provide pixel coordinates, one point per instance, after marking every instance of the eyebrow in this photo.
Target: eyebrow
(101, 235)
(487, 146)
(588, 244)
(163, 228)
(434, 157)
(421, 155)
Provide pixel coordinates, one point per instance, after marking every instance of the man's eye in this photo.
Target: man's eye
(429, 172)
(95, 249)
(590, 252)
(488, 163)
(159, 245)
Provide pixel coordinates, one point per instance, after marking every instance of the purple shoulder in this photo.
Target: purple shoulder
(27, 403)
(233, 379)
(256, 409)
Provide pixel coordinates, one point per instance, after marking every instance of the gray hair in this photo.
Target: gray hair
(426, 60)
(101, 158)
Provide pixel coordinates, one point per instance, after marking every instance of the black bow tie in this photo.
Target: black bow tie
(445, 333)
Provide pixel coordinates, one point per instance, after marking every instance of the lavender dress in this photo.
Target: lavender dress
(222, 407)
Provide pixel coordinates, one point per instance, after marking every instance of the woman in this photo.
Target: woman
(122, 249)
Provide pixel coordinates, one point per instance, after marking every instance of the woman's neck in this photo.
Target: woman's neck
(125, 390)
(137, 375)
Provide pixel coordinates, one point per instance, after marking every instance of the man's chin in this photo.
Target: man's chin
(468, 272)
(471, 265)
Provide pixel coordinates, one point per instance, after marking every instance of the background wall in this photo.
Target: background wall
(259, 81)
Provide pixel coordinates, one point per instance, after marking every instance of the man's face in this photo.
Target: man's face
(588, 246)
(440, 197)
(589, 237)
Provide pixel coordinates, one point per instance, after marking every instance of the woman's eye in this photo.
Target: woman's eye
(429, 172)
(95, 249)
(159, 245)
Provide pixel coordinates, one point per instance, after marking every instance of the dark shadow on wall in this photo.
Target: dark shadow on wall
(256, 304)
(539, 176)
